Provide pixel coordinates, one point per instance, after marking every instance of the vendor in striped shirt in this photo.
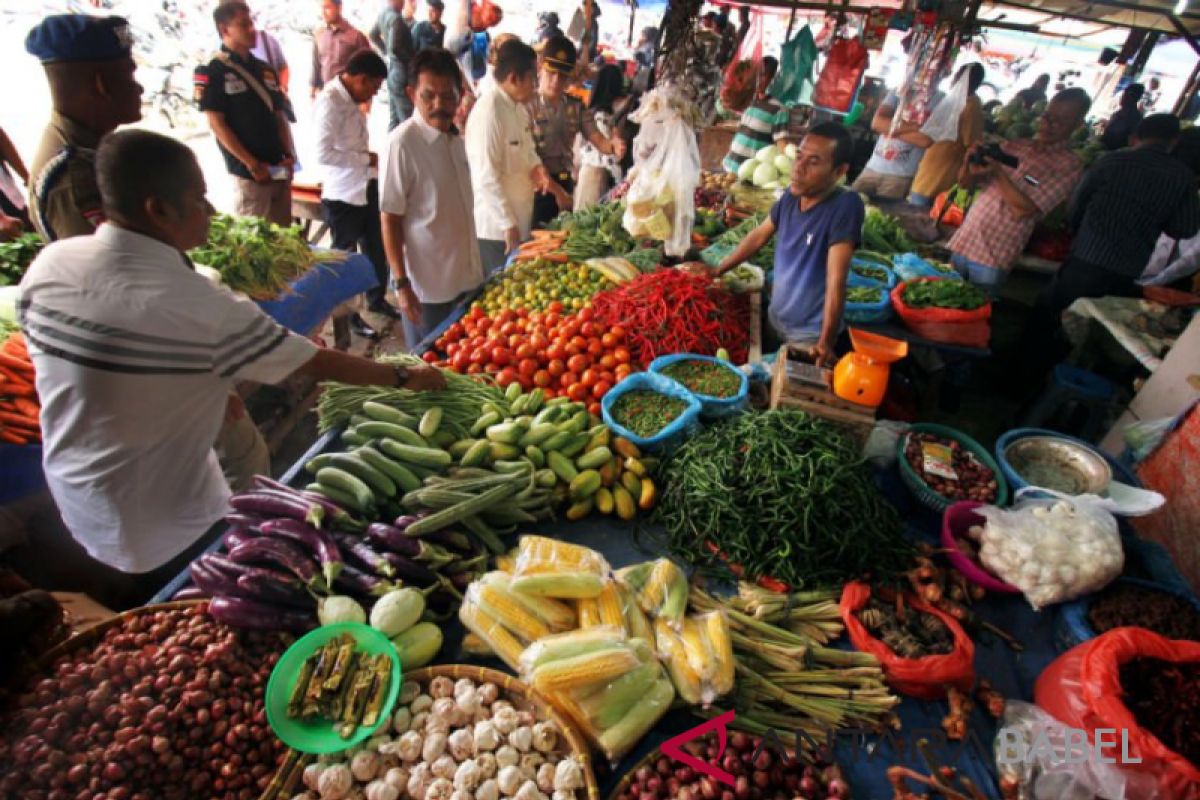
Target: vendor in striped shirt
(764, 122)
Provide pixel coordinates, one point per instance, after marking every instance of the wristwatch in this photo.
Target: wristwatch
(402, 282)
(401, 375)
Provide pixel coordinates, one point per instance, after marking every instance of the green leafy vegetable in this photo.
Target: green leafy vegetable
(15, 257)
(944, 294)
(864, 294)
(883, 233)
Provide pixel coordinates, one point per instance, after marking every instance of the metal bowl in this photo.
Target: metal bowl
(1060, 464)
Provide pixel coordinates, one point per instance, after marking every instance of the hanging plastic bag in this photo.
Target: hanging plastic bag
(740, 83)
(942, 125)
(1082, 689)
(660, 202)
(793, 83)
(838, 84)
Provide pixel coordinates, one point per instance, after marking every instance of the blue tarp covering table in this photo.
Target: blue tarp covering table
(313, 296)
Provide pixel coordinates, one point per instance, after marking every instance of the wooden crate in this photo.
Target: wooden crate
(789, 390)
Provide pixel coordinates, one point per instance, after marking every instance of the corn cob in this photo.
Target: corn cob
(569, 645)
(608, 705)
(557, 615)
(588, 611)
(507, 562)
(636, 575)
(563, 555)
(620, 738)
(697, 648)
(501, 606)
(584, 672)
(565, 585)
(716, 628)
(686, 680)
(635, 619)
(501, 642)
(609, 605)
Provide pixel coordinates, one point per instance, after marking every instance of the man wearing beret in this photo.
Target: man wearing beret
(249, 116)
(90, 71)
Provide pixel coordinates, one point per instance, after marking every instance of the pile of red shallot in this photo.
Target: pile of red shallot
(760, 773)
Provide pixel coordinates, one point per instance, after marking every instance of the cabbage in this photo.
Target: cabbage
(339, 608)
(746, 170)
(773, 185)
(767, 154)
(784, 165)
(765, 174)
(790, 151)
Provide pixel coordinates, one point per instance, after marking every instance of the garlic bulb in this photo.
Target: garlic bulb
(525, 717)
(435, 745)
(364, 766)
(509, 780)
(423, 702)
(441, 686)
(439, 789)
(410, 747)
(305, 796)
(444, 766)
(521, 738)
(461, 744)
(488, 790)
(420, 722)
(467, 702)
(545, 778)
(335, 782)
(486, 736)
(545, 737)
(381, 790)
(468, 776)
(507, 756)
(568, 775)
(481, 714)
(563, 796)
(529, 765)
(397, 776)
(311, 773)
(402, 720)
(489, 693)
(459, 794)
(409, 691)
(444, 708)
(504, 718)
(529, 791)
(418, 779)
(487, 765)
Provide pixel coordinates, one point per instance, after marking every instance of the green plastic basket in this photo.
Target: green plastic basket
(928, 497)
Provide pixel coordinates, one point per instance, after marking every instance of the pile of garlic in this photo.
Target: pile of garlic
(452, 740)
(1051, 551)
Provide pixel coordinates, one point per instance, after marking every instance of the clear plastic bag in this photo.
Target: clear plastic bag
(698, 656)
(546, 567)
(662, 184)
(942, 125)
(660, 587)
(1053, 550)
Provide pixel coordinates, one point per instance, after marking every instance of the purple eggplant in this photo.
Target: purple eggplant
(393, 540)
(355, 582)
(274, 503)
(282, 553)
(235, 536)
(333, 511)
(318, 542)
(209, 580)
(238, 612)
(247, 522)
(277, 588)
(365, 556)
(410, 571)
(191, 592)
(454, 540)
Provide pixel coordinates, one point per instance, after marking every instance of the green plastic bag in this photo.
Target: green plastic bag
(793, 84)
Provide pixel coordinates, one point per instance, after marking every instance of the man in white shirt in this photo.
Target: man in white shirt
(505, 168)
(350, 193)
(428, 207)
(136, 354)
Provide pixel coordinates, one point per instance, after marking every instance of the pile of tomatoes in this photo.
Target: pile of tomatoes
(566, 355)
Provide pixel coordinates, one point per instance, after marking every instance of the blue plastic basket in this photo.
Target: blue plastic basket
(910, 266)
(1071, 626)
(669, 437)
(854, 279)
(711, 407)
(868, 313)
(20, 471)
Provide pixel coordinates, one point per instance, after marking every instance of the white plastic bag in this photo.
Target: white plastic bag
(942, 125)
(1053, 550)
(1021, 752)
(662, 183)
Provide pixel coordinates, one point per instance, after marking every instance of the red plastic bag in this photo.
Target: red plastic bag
(953, 215)
(926, 677)
(843, 71)
(945, 325)
(484, 14)
(738, 88)
(1082, 689)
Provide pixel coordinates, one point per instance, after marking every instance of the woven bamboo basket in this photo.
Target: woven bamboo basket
(288, 777)
(626, 779)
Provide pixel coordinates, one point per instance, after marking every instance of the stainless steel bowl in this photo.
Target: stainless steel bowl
(1054, 463)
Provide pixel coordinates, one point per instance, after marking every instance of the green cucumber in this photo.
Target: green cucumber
(443, 439)
(316, 462)
(477, 454)
(579, 422)
(562, 466)
(512, 392)
(430, 422)
(383, 413)
(390, 430)
(547, 414)
(557, 441)
(535, 456)
(511, 467)
(380, 484)
(345, 499)
(404, 478)
(353, 438)
(538, 434)
(488, 419)
(576, 445)
(545, 478)
(536, 398)
(518, 406)
(505, 433)
(585, 484)
(342, 481)
(503, 452)
(594, 459)
(460, 448)
(429, 457)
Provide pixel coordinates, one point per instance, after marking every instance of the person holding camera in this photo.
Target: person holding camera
(1023, 181)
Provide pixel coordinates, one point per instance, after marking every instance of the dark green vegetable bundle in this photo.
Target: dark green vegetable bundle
(15, 257)
(784, 495)
(864, 294)
(256, 257)
(764, 258)
(870, 271)
(944, 294)
(595, 232)
(882, 233)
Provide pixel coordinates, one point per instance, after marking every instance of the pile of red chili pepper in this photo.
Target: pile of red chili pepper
(1160, 694)
(672, 311)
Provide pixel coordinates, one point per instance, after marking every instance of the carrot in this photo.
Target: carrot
(557, 258)
(27, 407)
(12, 438)
(16, 348)
(545, 234)
(16, 364)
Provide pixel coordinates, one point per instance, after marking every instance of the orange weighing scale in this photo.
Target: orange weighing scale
(861, 376)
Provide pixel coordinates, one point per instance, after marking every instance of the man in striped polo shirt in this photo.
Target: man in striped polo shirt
(135, 355)
(764, 122)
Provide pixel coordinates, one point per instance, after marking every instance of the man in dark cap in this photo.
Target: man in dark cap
(430, 32)
(90, 71)
(557, 119)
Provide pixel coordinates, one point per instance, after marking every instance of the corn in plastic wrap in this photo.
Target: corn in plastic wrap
(661, 589)
(588, 612)
(498, 639)
(555, 614)
(716, 630)
(550, 568)
(698, 656)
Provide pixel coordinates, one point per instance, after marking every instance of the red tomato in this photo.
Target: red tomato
(476, 312)
(527, 367)
(609, 341)
(555, 306)
(526, 382)
(523, 313)
(595, 349)
(461, 360)
(589, 329)
(580, 342)
(623, 371)
(506, 376)
(617, 331)
(475, 369)
(594, 409)
(578, 363)
(586, 314)
(569, 329)
(501, 356)
(568, 379)
(552, 319)
(608, 361)
(542, 378)
(556, 352)
(622, 355)
(525, 350)
(516, 340)
(608, 376)
(454, 332)
(539, 342)
(577, 392)
(479, 356)
(429, 357)
(556, 367)
(484, 324)
(573, 350)
(451, 349)
(589, 377)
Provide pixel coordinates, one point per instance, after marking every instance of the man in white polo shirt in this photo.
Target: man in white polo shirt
(427, 203)
(136, 355)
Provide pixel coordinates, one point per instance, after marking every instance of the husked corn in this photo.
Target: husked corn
(699, 654)
(687, 681)
(564, 585)
(509, 613)
(635, 619)
(609, 704)
(502, 643)
(580, 673)
(716, 628)
(588, 611)
(557, 615)
(564, 555)
(609, 605)
(569, 645)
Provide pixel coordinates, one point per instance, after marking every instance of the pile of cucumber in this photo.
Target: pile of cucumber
(523, 458)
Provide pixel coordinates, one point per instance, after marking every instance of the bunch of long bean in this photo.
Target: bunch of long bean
(780, 494)
(460, 402)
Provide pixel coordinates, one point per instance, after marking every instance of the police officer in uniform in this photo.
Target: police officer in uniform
(249, 115)
(557, 119)
(90, 71)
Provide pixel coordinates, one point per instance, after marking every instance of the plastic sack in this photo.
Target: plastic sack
(880, 449)
(744, 279)
(738, 87)
(1072, 627)
(1041, 777)
(793, 83)
(547, 567)
(670, 436)
(945, 325)
(910, 267)
(952, 217)
(711, 407)
(844, 68)
(861, 270)
(662, 184)
(612, 687)
(1145, 435)
(926, 677)
(942, 125)
(660, 588)
(869, 313)
(1082, 689)
(1053, 550)
(698, 656)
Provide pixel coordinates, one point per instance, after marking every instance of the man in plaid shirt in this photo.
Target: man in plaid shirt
(1002, 218)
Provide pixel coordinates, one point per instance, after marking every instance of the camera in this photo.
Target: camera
(992, 152)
